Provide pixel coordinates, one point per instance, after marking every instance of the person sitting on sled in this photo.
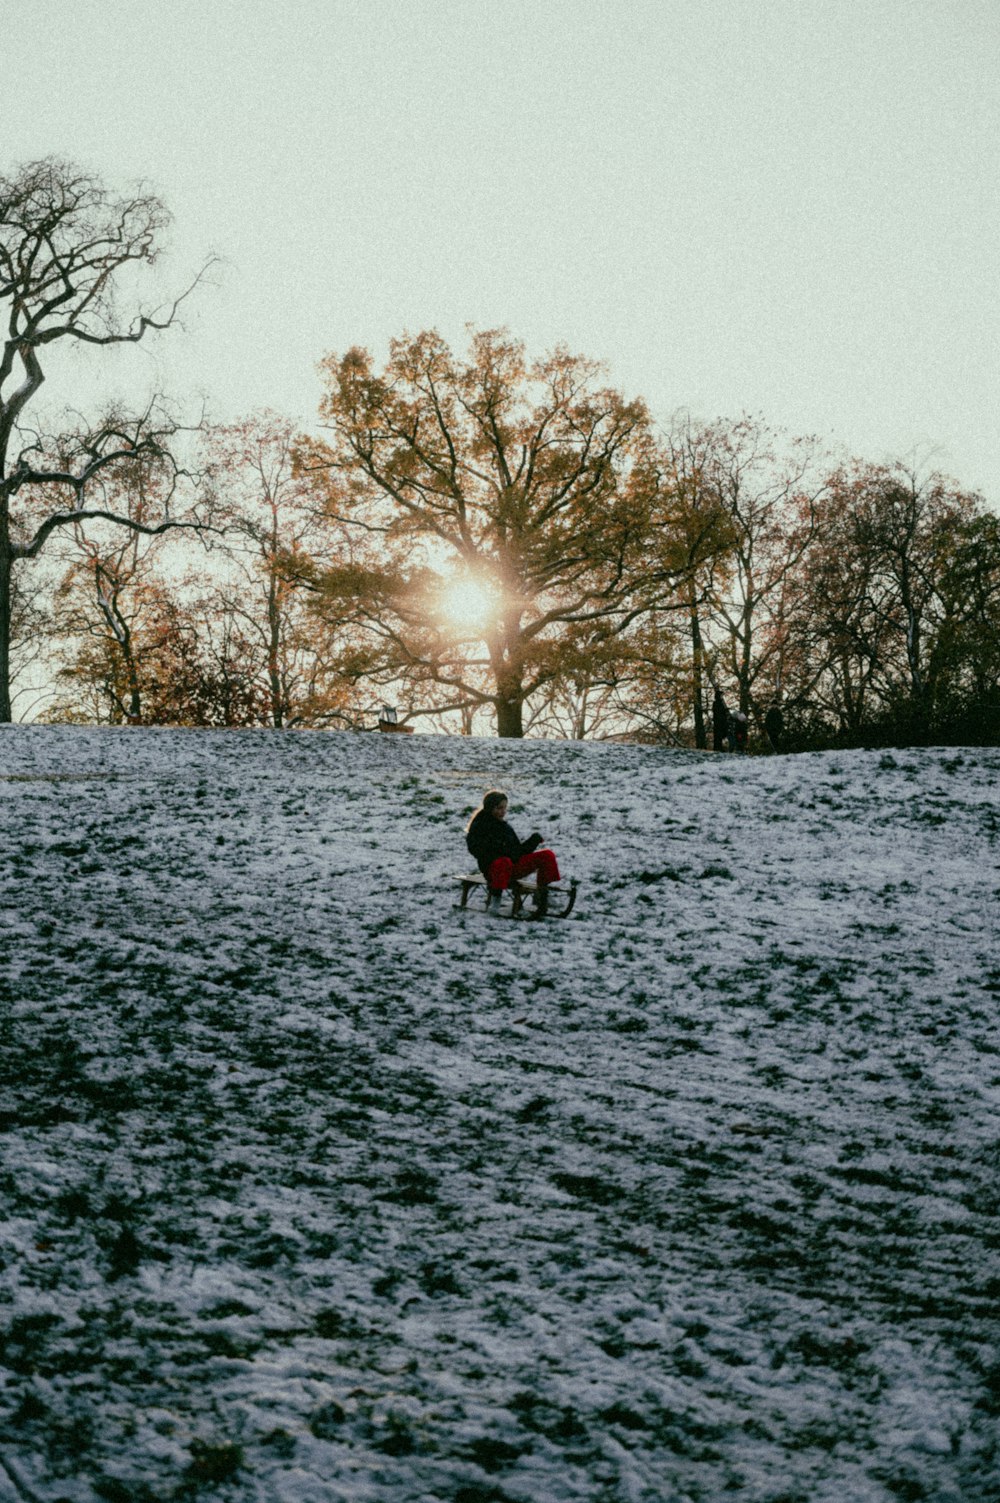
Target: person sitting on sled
(502, 858)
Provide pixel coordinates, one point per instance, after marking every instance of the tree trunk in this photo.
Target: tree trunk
(580, 719)
(273, 649)
(135, 695)
(698, 674)
(746, 655)
(508, 675)
(510, 716)
(5, 614)
(913, 655)
(850, 715)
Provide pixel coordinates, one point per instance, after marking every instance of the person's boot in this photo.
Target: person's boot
(541, 902)
(493, 904)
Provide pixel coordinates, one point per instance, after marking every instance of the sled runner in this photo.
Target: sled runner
(562, 895)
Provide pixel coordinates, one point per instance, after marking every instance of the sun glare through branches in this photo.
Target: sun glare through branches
(468, 603)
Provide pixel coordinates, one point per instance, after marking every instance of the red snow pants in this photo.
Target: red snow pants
(503, 869)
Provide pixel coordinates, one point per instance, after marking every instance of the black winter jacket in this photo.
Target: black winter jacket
(489, 837)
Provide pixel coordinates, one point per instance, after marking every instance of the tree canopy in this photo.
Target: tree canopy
(531, 486)
(484, 537)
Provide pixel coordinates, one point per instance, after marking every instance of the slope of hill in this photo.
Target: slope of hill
(316, 1189)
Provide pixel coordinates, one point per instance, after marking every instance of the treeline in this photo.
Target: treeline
(489, 542)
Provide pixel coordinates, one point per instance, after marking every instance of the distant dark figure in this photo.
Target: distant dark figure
(720, 722)
(738, 731)
(502, 858)
(774, 727)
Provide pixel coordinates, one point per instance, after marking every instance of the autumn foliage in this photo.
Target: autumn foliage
(489, 541)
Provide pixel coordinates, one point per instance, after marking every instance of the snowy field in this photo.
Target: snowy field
(318, 1190)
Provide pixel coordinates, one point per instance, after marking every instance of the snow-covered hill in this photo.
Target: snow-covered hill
(317, 1189)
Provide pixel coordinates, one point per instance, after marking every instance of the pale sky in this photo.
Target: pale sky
(786, 207)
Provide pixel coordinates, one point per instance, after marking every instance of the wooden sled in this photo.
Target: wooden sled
(388, 720)
(562, 895)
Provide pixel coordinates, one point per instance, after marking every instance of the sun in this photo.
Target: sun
(468, 602)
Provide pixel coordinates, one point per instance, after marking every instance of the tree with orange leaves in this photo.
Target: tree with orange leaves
(526, 489)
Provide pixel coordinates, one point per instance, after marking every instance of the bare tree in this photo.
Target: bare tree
(271, 523)
(702, 525)
(771, 492)
(68, 245)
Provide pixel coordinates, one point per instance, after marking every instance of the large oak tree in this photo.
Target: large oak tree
(532, 481)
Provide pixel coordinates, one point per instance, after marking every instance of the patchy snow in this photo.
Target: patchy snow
(317, 1189)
